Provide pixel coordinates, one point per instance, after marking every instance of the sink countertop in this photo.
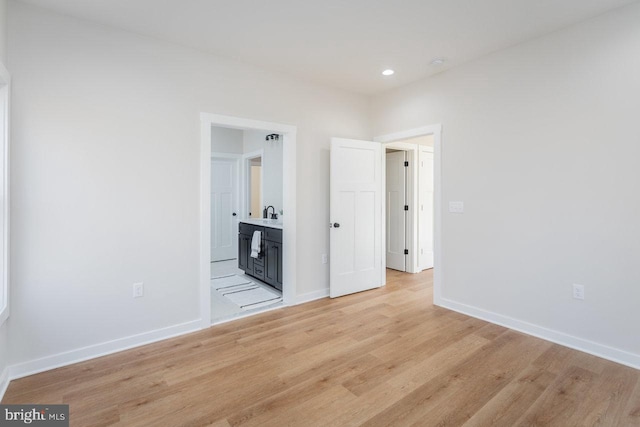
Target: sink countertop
(273, 223)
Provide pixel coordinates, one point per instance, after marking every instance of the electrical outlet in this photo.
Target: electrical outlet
(578, 291)
(324, 258)
(138, 290)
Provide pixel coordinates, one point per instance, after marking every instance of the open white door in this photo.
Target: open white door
(396, 185)
(224, 219)
(355, 215)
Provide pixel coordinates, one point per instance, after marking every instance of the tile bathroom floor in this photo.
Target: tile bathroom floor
(222, 309)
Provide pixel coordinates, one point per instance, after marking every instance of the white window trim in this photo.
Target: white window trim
(5, 84)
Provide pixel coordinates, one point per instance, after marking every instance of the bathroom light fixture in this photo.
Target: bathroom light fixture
(388, 72)
(272, 137)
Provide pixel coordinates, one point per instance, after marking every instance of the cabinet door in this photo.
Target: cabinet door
(279, 267)
(249, 258)
(243, 248)
(273, 265)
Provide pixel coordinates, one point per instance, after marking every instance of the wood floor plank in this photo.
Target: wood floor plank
(512, 401)
(300, 391)
(311, 412)
(415, 352)
(379, 398)
(605, 401)
(381, 357)
(631, 413)
(559, 402)
(465, 387)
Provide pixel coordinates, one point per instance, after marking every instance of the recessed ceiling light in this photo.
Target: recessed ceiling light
(388, 72)
(437, 61)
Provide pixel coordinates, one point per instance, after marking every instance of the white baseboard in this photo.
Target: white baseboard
(586, 346)
(90, 352)
(312, 296)
(4, 382)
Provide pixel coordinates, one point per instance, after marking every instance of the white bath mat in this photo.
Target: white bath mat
(229, 281)
(251, 297)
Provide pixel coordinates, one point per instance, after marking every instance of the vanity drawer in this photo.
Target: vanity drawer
(260, 260)
(258, 271)
(248, 228)
(273, 234)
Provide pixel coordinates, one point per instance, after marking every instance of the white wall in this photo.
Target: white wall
(3, 31)
(272, 167)
(541, 143)
(4, 342)
(4, 358)
(253, 141)
(226, 140)
(106, 128)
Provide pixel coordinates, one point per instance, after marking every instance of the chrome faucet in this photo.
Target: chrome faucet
(273, 214)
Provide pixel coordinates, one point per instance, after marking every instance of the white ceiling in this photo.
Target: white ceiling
(341, 43)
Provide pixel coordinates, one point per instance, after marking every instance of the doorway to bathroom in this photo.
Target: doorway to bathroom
(255, 275)
(246, 222)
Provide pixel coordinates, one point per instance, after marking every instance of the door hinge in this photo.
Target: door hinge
(406, 164)
(406, 251)
(406, 207)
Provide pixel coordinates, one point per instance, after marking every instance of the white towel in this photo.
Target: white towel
(255, 244)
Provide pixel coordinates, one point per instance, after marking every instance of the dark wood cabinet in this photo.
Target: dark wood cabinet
(273, 265)
(245, 234)
(268, 266)
(273, 258)
(244, 251)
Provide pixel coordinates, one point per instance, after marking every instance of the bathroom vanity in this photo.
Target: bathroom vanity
(268, 266)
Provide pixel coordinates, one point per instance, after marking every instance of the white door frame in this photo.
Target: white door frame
(436, 131)
(423, 149)
(288, 133)
(246, 182)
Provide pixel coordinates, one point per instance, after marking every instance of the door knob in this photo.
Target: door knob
(336, 225)
(234, 214)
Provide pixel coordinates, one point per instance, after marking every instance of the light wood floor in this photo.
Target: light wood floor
(384, 357)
